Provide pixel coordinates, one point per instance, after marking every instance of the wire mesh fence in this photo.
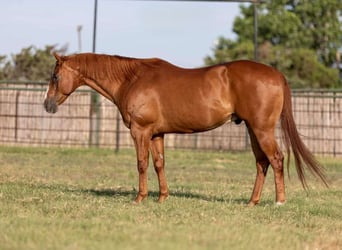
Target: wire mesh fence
(82, 123)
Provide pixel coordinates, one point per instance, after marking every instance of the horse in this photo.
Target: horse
(155, 98)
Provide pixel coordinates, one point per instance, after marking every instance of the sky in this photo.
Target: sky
(180, 32)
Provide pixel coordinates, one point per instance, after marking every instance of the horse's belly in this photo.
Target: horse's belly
(197, 120)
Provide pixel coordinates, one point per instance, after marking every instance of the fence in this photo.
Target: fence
(81, 122)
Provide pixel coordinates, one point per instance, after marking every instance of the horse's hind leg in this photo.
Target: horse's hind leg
(157, 149)
(269, 146)
(262, 164)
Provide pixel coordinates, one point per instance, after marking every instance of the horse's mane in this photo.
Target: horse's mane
(97, 66)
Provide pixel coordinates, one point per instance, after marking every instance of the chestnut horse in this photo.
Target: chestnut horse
(155, 98)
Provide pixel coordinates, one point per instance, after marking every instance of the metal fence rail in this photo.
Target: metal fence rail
(23, 121)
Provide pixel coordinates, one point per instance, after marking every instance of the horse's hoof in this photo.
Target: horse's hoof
(280, 203)
(252, 203)
(163, 198)
(139, 198)
(135, 203)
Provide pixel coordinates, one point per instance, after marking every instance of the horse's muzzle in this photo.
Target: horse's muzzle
(50, 105)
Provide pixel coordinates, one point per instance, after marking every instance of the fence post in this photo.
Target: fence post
(94, 119)
(16, 115)
(246, 138)
(195, 141)
(117, 140)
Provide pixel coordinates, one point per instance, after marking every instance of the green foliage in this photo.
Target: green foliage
(228, 50)
(300, 38)
(296, 24)
(54, 198)
(307, 71)
(30, 63)
(300, 65)
(2, 66)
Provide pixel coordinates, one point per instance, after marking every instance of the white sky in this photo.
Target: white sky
(180, 32)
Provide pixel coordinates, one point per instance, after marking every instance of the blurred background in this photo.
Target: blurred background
(302, 39)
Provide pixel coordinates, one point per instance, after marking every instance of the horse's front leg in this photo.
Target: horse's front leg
(157, 149)
(142, 144)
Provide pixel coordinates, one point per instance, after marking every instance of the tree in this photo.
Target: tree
(2, 65)
(30, 64)
(294, 36)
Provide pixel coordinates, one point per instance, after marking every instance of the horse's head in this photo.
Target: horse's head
(63, 82)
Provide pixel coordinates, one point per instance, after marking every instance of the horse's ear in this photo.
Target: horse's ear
(58, 57)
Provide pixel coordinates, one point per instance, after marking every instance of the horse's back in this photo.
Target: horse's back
(254, 72)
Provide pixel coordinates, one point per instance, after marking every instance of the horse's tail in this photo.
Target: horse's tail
(303, 157)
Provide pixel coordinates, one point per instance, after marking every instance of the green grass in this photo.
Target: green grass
(82, 199)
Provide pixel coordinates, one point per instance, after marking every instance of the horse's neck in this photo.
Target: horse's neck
(114, 73)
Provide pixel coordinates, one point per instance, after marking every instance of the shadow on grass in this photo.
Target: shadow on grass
(131, 193)
(153, 194)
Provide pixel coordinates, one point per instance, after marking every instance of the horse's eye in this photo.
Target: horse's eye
(54, 78)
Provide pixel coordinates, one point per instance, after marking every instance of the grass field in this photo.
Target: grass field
(82, 199)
